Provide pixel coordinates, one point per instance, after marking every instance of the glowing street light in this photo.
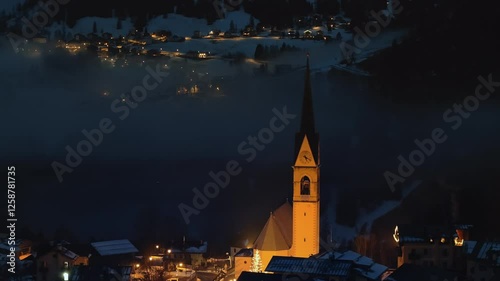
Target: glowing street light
(169, 251)
(157, 247)
(66, 276)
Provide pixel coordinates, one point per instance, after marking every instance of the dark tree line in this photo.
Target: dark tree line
(450, 41)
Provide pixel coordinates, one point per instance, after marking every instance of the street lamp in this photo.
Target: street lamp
(157, 247)
(169, 251)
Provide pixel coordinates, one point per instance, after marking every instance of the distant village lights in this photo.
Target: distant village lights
(40, 20)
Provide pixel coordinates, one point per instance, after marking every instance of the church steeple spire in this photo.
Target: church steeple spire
(307, 125)
(307, 121)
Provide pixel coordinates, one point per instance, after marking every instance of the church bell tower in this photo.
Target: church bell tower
(306, 192)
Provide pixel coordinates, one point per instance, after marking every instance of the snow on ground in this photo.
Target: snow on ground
(201, 249)
(364, 221)
(323, 56)
(184, 26)
(242, 45)
(177, 24)
(9, 5)
(85, 25)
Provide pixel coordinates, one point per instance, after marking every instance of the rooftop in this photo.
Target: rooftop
(244, 253)
(114, 247)
(277, 232)
(314, 266)
(484, 251)
(363, 265)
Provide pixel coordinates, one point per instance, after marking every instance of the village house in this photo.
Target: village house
(187, 252)
(242, 261)
(483, 260)
(363, 267)
(55, 261)
(413, 272)
(429, 246)
(101, 273)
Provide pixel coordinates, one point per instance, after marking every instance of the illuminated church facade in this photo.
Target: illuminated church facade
(294, 231)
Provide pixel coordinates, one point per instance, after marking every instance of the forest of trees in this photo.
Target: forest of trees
(424, 13)
(273, 12)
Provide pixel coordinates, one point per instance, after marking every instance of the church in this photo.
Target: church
(294, 230)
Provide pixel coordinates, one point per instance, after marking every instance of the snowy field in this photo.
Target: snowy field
(324, 55)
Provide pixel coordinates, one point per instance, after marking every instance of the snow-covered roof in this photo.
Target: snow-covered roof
(373, 272)
(469, 246)
(314, 266)
(363, 265)
(114, 247)
(201, 249)
(248, 252)
(484, 251)
(69, 254)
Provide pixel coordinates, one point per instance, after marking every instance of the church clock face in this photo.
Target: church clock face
(305, 157)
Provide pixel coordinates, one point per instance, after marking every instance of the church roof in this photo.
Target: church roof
(277, 233)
